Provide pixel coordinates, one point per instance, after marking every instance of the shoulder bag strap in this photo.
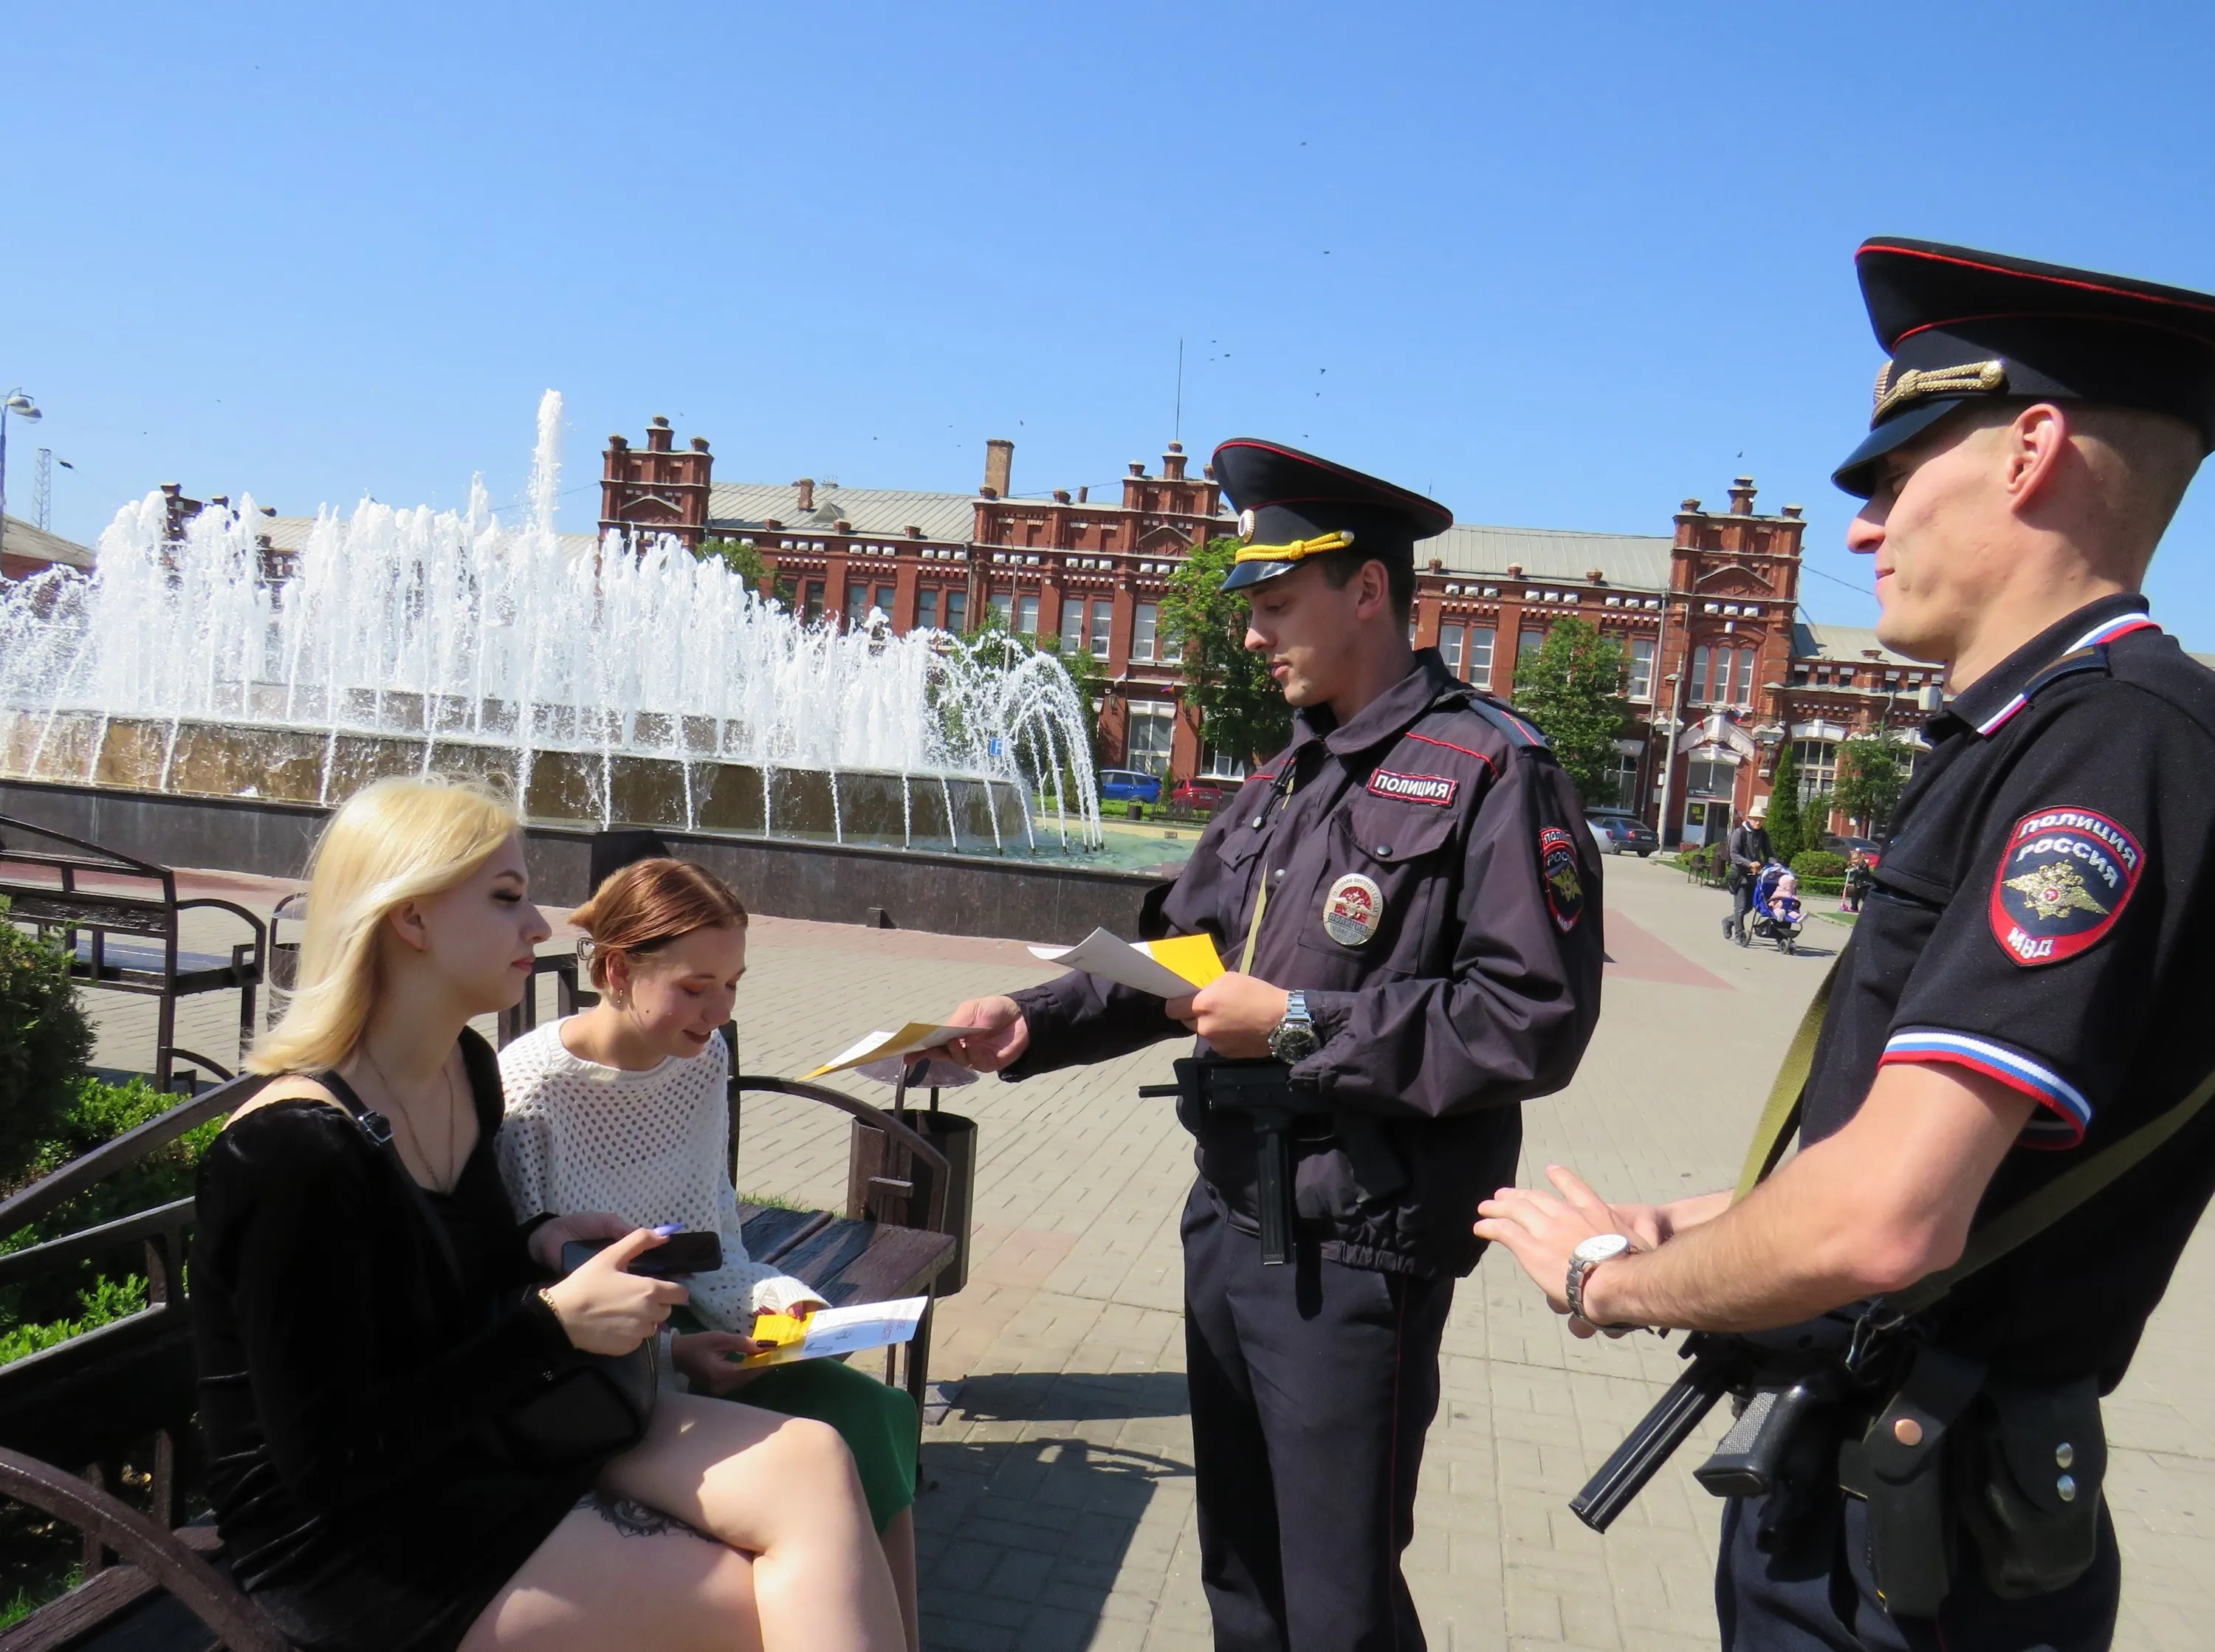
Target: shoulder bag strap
(1780, 1113)
(379, 1131)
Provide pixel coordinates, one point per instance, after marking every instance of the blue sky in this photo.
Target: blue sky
(1560, 265)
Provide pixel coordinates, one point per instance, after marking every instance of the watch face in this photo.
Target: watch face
(1601, 1247)
(1294, 1043)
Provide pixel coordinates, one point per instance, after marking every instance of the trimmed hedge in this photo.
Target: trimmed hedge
(1819, 863)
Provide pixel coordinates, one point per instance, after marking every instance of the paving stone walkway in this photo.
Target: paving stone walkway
(1058, 1511)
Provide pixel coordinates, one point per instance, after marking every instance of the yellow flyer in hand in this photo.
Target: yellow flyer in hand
(877, 1044)
(1175, 968)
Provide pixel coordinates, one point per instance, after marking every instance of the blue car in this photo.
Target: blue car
(1128, 786)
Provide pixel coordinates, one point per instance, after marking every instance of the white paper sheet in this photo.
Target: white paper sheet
(833, 1332)
(1112, 959)
(878, 1044)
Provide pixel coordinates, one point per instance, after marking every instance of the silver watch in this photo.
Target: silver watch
(1294, 1039)
(1588, 1255)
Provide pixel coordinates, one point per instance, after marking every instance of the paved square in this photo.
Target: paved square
(1058, 1511)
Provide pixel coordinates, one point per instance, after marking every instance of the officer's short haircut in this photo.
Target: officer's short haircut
(1339, 568)
(2141, 462)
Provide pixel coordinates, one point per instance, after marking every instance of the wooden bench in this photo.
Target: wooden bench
(82, 894)
(71, 1416)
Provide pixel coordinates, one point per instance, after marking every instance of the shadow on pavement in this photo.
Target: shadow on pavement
(1026, 1523)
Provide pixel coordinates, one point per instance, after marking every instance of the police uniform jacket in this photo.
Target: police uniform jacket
(2043, 916)
(1434, 890)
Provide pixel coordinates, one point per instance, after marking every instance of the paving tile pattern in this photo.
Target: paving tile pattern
(1060, 1506)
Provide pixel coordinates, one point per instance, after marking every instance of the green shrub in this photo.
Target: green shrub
(44, 1042)
(107, 1300)
(1819, 863)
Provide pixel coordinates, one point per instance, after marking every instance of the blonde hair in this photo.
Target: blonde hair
(399, 839)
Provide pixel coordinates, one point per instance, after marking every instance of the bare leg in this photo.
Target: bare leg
(597, 1583)
(899, 1540)
(784, 1489)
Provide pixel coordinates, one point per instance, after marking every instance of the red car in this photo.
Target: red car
(1204, 796)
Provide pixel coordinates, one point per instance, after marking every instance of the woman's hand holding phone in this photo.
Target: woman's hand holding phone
(608, 1311)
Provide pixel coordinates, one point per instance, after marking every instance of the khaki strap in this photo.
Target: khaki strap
(2039, 1211)
(1254, 929)
(1780, 1113)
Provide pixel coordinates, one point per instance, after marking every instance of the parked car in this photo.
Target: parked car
(1617, 831)
(1837, 843)
(1128, 786)
(1204, 795)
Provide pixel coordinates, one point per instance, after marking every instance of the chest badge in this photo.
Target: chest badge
(1352, 910)
(1557, 866)
(2065, 879)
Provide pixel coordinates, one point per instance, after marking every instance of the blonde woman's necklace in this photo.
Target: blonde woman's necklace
(442, 1182)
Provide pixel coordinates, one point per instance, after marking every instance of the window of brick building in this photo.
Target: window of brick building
(1103, 614)
(1451, 639)
(1641, 669)
(1152, 725)
(1480, 638)
(811, 602)
(957, 610)
(1027, 610)
(1216, 764)
(857, 604)
(926, 607)
(1527, 644)
(1072, 624)
(1817, 762)
(1003, 609)
(1146, 619)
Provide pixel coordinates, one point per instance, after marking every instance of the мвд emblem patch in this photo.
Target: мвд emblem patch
(2065, 879)
(1557, 866)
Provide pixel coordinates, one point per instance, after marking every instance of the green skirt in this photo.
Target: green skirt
(876, 1421)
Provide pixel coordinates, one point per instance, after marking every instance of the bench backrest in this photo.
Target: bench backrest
(81, 885)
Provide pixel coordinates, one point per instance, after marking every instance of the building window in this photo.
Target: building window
(1172, 647)
(1715, 779)
(1103, 614)
(1072, 624)
(1144, 620)
(1745, 677)
(1223, 765)
(811, 602)
(1817, 762)
(926, 607)
(1004, 608)
(1697, 694)
(1026, 616)
(1449, 647)
(1527, 644)
(1626, 781)
(882, 599)
(857, 604)
(1479, 655)
(1152, 725)
(1641, 670)
(957, 610)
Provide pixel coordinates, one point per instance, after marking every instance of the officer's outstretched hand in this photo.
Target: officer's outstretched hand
(1005, 1036)
(1235, 1013)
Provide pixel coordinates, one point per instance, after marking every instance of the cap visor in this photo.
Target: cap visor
(1857, 475)
(1243, 574)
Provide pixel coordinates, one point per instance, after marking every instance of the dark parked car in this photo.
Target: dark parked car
(1204, 796)
(1839, 844)
(1617, 831)
(1128, 786)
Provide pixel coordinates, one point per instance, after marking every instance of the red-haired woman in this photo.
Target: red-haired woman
(621, 1110)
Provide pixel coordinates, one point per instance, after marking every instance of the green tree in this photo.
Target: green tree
(1787, 821)
(1242, 709)
(744, 558)
(44, 1042)
(1571, 686)
(1872, 774)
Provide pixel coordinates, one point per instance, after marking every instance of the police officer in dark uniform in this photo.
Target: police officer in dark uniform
(1408, 901)
(2004, 1143)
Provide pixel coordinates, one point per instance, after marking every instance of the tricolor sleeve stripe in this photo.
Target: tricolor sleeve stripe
(2069, 1113)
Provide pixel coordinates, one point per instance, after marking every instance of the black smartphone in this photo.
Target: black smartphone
(679, 1254)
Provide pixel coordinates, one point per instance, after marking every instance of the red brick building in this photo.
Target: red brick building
(1721, 672)
(26, 548)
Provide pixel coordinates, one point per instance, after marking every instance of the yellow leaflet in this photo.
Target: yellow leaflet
(1193, 957)
(782, 1329)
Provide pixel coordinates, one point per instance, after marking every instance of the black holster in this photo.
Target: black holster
(2032, 1458)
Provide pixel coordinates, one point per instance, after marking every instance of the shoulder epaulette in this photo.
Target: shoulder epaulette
(2075, 662)
(1522, 734)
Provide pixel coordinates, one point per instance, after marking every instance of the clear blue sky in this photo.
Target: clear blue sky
(1561, 266)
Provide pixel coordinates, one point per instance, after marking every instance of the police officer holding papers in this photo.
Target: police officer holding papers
(2003, 1140)
(1408, 900)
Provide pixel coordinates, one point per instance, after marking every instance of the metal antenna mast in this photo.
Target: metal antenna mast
(42, 492)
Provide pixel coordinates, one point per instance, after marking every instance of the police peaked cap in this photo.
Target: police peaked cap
(1961, 325)
(1292, 505)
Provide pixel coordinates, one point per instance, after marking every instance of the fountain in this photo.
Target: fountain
(621, 683)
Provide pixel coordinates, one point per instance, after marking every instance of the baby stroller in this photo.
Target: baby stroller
(1768, 921)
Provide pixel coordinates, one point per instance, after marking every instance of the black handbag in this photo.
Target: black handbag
(596, 1406)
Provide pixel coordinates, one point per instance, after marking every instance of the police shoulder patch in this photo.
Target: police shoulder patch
(1557, 867)
(2064, 881)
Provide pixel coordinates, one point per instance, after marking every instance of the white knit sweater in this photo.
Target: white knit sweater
(652, 1146)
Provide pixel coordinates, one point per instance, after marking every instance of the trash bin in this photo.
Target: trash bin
(885, 1181)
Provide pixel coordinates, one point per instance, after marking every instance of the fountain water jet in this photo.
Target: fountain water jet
(628, 682)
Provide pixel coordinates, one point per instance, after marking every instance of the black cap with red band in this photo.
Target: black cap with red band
(1292, 505)
(1962, 326)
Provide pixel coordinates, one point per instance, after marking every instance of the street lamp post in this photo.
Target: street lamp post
(24, 408)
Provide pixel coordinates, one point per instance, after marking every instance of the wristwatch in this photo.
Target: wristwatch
(1294, 1039)
(1588, 1255)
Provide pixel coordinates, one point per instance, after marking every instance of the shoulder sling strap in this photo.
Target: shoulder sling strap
(1780, 1113)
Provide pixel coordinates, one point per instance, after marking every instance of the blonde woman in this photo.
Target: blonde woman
(357, 1363)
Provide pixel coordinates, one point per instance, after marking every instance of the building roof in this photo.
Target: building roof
(24, 539)
(1850, 642)
(890, 512)
(1637, 562)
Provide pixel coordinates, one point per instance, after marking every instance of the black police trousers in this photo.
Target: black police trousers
(1312, 1386)
(1818, 1596)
